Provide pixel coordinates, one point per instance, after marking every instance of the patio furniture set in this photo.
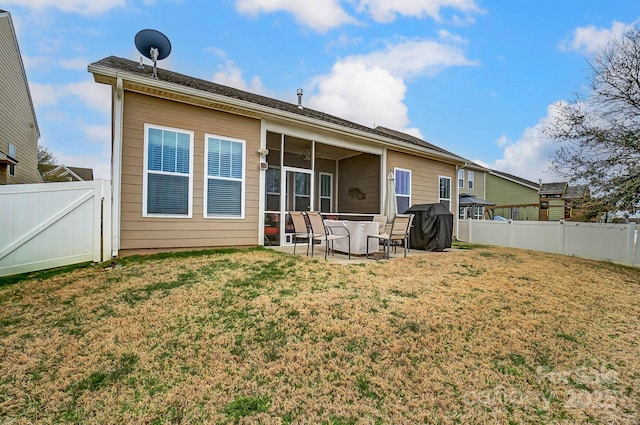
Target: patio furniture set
(349, 236)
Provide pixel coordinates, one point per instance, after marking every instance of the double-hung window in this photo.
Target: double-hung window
(460, 178)
(403, 189)
(444, 196)
(168, 172)
(224, 179)
(470, 178)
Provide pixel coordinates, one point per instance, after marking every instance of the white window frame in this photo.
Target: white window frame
(470, 179)
(320, 196)
(478, 212)
(145, 171)
(13, 155)
(461, 178)
(450, 190)
(395, 175)
(242, 181)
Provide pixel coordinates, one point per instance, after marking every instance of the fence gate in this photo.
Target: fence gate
(53, 224)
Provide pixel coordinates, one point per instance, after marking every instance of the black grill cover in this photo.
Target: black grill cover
(432, 228)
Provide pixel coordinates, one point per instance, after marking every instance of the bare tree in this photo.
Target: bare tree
(600, 132)
(45, 156)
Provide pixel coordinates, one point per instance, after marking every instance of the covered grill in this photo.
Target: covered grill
(432, 228)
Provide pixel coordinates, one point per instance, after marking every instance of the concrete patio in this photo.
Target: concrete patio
(343, 258)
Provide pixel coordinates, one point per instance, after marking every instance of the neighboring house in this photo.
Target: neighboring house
(472, 189)
(514, 197)
(62, 173)
(561, 201)
(19, 131)
(198, 164)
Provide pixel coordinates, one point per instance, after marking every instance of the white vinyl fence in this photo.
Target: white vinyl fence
(53, 224)
(618, 243)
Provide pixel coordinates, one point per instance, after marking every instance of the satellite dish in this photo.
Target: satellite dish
(154, 45)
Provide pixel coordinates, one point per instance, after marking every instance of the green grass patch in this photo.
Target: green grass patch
(42, 275)
(567, 337)
(466, 245)
(243, 406)
(100, 379)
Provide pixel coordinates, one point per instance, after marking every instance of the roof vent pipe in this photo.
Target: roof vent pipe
(300, 99)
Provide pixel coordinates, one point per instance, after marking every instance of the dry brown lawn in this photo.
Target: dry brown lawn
(485, 335)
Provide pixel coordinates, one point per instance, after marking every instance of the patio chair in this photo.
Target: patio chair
(320, 232)
(382, 219)
(300, 229)
(399, 232)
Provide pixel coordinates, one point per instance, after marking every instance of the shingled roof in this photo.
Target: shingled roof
(132, 67)
(557, 188)
(577, 191)
(516, 179)
(411, 139)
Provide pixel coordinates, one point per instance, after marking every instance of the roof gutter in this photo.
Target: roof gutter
(267, 111)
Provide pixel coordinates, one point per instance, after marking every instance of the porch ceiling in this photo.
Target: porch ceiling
(334, 153)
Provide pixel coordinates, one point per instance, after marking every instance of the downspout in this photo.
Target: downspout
(116, 164)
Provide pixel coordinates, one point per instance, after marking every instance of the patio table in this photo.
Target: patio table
(359, 231)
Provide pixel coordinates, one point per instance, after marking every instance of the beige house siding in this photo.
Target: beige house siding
(138, 232)
(478, 183)
(19, 125)
(364, 197)
(425, 177)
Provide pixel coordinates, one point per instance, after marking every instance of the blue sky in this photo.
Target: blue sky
(476, 77)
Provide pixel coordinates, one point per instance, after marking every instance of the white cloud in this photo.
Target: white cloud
(34, 62)
(370, 89)
(43, 94)
(98, 133)
(220, 53)
(323, 15)
(230, 74)
(91, 96)
(530, 156)
(388, 10)
(365, 94)
(591, 39)
(74, 64)
(410, 58)
(414, 131)
(502, 141)
(95, 96)
(83, 7)
(319, 15)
